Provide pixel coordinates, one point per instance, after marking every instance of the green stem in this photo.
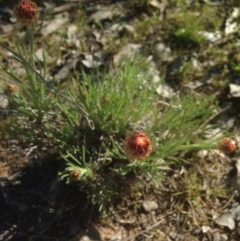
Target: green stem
(31, 37)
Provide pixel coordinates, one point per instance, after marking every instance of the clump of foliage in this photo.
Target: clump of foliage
(85, 121)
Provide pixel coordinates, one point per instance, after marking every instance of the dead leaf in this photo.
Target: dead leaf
(55, 24)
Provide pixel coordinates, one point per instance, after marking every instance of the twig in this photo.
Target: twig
(30, 151)
(147, 229)
(176, 107)
(229, 201)
(212, 117)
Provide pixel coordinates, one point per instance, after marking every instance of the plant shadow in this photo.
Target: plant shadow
(36, 205)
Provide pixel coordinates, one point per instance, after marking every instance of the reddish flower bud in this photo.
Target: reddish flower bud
(227, 145)
(12, 88)
(26, 12)
(137, 146)
(74, 175)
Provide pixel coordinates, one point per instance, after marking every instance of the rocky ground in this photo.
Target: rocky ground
(188, 44)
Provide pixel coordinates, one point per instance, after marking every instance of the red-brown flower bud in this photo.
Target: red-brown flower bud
(12, 88)
(137, 146)
(74, 175)
(227, 145)
(26, 12)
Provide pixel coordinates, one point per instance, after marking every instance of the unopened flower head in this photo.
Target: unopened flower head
(12, 88)
(227, 145)
(137, 146)
(26, 12)
(74, 175)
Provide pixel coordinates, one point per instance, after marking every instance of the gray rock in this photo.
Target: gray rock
(220, 237)
(228, 217)
(163, 50)
(165, 91)
(100, 16)
(128, 51)
(117, 237)
(93, 61)
(4, 102)
(92, 235)
(231, 25)
(211, 36)
(234, 90)
(150, 205)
